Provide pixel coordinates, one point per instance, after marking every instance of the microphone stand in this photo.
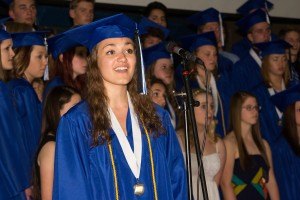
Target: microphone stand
(190, 115)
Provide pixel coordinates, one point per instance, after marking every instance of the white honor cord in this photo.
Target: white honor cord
(133, 158)
(272, 92)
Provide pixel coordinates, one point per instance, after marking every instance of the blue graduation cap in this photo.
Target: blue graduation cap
(145, 24)
(4, 35)
(154, 53)
(287, 97)
(90, 35)
(29, 38)
(205, 16)
(250, 20)
(60, 44)
(192, 42)
(251, 5)
(272, 47)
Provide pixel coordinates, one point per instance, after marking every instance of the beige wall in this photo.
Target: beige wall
(282, 8)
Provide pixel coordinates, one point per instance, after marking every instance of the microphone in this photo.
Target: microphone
(172, 47)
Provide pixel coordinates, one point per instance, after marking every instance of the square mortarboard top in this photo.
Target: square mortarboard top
(29, 38)
(4, 35)
(251, 19)
(145, 24)
(286, 98)
(272, 47)
(252, 5)
(154, 53)
(91, 34)
(205, 16)
(192, 42)
(60, 44)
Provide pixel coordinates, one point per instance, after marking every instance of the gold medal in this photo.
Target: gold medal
(138, 189)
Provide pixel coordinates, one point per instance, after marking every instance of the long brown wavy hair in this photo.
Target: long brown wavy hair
(235, 119)
(98, 104)
(21, 60)
(289, 129)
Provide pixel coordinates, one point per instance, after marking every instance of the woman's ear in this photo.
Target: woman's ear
(61, 57)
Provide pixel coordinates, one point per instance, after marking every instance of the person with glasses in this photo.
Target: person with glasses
(248, 172)
(276, 78)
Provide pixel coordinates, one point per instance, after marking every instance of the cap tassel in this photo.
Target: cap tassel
(221, 30)
(142, 86)
(46, 73)
(267, 13)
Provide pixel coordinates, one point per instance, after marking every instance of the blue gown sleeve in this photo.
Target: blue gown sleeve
(71, 172)
(12, 173)
(29, 111)
(175, 161)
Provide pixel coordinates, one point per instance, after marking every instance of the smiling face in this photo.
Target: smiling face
(116, 61)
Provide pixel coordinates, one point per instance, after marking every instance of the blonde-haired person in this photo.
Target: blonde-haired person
(116, 144)
(214, 152)
(248, 172)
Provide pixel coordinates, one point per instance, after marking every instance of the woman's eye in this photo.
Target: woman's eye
(111, 52)
(155, 94)
(130, 51)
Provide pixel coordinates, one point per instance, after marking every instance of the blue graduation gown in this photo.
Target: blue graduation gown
(245, 75)
(286, 163)
(83, 171)
(14, 179)
(224, 64)
(241, 48)
(55, 82)
(29, 112)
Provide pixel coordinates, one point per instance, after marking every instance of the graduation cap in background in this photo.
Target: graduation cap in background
(206, 16)
(272, 47)
(145, 24)
(250, 20)
(29, 39)
(4, 35)
(192, 42)
(91, 34)
(60, 44)
(3, 21)
(286, 98)
(252, 5)
(154, 53)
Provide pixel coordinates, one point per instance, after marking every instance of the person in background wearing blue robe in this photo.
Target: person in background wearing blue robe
(59, 100)
(288, 102)
(211, 20)
(116, 144)
(70, 63)
(242, 47)
(246, 72)
(158, 64)
(292, 36)
(275, 75)
(30, 63)
(152, 33)
(204, 47)
(13, 173)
